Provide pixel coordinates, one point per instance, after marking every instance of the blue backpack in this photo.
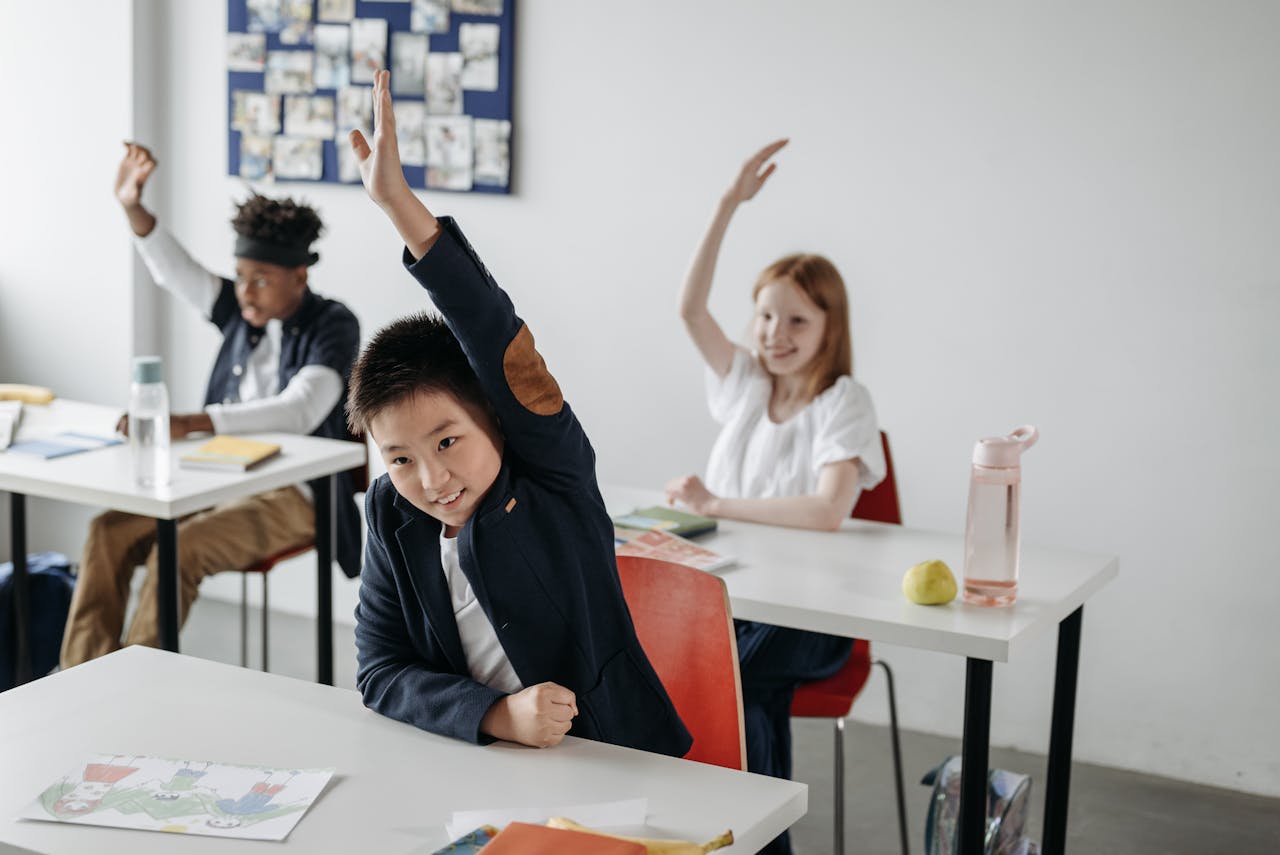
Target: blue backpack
(49, 587)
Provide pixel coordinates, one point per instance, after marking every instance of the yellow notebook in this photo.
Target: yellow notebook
(232, 453)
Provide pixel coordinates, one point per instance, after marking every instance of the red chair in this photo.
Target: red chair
(360, 480)
(262, 568)
(685, 626)
(833, 697)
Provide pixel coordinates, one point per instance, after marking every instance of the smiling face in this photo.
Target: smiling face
(441, 454)
(788, 328)
(268, 291)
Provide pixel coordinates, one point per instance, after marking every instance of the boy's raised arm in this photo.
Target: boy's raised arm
(383, 177)
(537, 424)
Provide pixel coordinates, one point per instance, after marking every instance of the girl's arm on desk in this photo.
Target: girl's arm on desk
(824, 510)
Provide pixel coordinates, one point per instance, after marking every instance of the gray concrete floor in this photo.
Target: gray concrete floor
(1112, 811)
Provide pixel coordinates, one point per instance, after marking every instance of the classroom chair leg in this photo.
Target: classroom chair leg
(838, 847)
(897, 756)
(244, 620)
(264, 621)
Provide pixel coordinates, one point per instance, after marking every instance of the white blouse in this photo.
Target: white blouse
(756, 458)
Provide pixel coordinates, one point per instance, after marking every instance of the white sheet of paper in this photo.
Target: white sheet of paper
(181, 796)
(595, 815)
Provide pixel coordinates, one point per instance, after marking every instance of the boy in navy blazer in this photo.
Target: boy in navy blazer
(490, 606)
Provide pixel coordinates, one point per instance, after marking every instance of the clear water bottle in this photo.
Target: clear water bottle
(149, 423)
(991, 529)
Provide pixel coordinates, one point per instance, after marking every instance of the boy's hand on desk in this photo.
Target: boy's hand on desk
(538, 716)
(179, 425)
(690, 490)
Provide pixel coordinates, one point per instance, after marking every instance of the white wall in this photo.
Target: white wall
(66, 274)
(1061, 216)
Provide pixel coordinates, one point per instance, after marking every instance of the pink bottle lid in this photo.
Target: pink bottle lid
(1004, 452)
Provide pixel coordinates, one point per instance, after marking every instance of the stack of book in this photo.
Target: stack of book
(655, 532)
(229, 454)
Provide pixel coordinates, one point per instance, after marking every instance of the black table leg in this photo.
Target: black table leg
(323, 489)
(1058, 780)
(21, 589)
(973, 769)
(167, 584)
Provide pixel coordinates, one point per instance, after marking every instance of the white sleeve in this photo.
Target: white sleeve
(847, 429)
(174, 270)
(724, 392)
(299, 408)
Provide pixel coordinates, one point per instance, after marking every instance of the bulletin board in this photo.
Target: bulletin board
(300, 77)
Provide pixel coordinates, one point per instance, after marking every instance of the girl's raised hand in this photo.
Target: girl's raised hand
(750, 178)
(135, 168)
(380, 162)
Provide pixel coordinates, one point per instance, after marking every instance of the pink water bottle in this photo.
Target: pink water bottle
(991, 530)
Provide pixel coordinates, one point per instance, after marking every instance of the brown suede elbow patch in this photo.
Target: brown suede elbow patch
(528, 377)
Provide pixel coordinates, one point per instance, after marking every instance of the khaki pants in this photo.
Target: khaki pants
(227, 537)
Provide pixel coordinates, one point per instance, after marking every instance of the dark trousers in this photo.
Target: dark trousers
(774, 660)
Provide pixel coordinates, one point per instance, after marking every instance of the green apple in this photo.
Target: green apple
(929, 583)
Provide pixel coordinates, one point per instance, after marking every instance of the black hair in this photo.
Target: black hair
(277, 221)
(413, 355)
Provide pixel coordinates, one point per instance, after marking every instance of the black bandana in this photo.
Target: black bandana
(285, 255)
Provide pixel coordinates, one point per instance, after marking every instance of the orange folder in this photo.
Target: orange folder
(521, 838)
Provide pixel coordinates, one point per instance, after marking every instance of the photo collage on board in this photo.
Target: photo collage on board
(300, 79)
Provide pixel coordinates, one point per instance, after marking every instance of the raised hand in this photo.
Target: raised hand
(135, 168)
(750, 178)
(380, 160)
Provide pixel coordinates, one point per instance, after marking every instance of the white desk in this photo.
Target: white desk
(102, 478)
(395, 785)
(849, 583)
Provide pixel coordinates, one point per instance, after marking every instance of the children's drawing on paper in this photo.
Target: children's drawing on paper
(181, 796)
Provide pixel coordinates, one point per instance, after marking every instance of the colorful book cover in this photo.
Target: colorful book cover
(663, 545)
(469, 843)
(662, 518)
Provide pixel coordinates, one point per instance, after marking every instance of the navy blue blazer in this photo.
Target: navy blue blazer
(320, 332)
(538, 552)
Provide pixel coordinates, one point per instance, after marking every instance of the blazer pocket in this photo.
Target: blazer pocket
(624, 706)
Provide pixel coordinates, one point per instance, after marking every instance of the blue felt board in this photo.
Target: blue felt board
(478, 105)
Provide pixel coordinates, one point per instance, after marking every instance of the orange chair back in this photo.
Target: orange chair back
(685, 626)
(880, 503)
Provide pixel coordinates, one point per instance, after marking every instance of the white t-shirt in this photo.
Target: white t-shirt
(486, 660)
(756, 458)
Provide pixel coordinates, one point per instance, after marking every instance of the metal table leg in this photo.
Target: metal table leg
(324, 489)
(21, 589)
(167, 584)
(973, 770)
(1058, 779)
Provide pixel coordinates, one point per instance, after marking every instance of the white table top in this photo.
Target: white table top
(850, 583)
(101, 477)
(395, 785)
